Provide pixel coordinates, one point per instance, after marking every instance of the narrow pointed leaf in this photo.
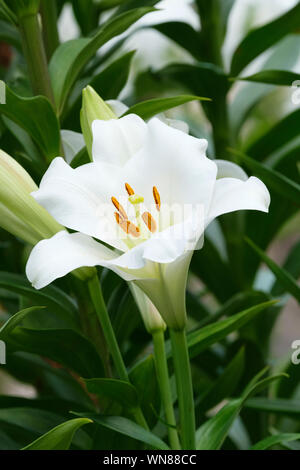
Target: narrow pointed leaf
(128, 428)
(280, 134)
(116, 390)
(278, 406)
(149, 108)
(284, 186)
(262, 38)
(211, 435)
(272, 77)
(204, 337)
(50, 296)
(274, 440)
(71, 56)
(182, 34)
(14, 321)
(281, 274)
(60, 437)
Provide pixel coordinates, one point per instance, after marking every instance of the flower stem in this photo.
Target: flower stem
(164, 384)
(184, 388)
(48, 12)
(102, 313)
(100, 307)
(35, 55)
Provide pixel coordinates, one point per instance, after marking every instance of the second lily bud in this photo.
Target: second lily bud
(93, 107)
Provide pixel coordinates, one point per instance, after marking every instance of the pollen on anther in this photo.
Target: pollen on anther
(119, 207)
(129, 189)
(156, 197)
(149, 221)
(127, 226)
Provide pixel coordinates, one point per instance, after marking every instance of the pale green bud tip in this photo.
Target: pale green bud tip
(150, 315)
(94, 106)
(20, 214)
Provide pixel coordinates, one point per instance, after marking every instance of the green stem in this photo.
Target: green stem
(35, 56)
(164, 385)
(184, 388)
(102, 313)
(48, 12)
(137, 414)
(211, 49)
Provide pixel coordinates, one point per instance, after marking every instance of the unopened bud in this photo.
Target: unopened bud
(93, 107)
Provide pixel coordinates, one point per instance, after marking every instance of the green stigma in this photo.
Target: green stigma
(136, 199)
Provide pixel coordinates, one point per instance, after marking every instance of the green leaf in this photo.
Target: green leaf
(9, 34)
(225, 385)
(64, 346)
(219, 280)
(71, 56)
(202, 338)
(6, 13)
(272, 77)
(149, 108)
(235, 304)
(211, 435)
(117, 390)
(33, 422)
(281, 274)
(280, 134)
(284, 186)
(292, 266)
(50, 296)
(262, 38)
(14, 321)
(203, 79)
(182, 34)
(143, 377)
(110, 81)
(60, 437)
(128, 428)
(279, 406)
(274, 440)
(24, 112)
(87, 14)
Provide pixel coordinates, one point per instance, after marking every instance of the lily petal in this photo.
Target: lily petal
(80, 198)
(232, 194)
(228, 169)
(175, 163)
(55, 257)
(167, 290)
(117, 140)
(163, 247)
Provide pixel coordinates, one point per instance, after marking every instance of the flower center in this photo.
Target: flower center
(145, 223)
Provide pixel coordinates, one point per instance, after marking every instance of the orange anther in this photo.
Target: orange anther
(149, 221)
(119, 207)
(127, 226)
(156, 197)
(129, 189)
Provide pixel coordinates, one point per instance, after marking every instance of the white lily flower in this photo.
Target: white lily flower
(119, 108)
(126, 199)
